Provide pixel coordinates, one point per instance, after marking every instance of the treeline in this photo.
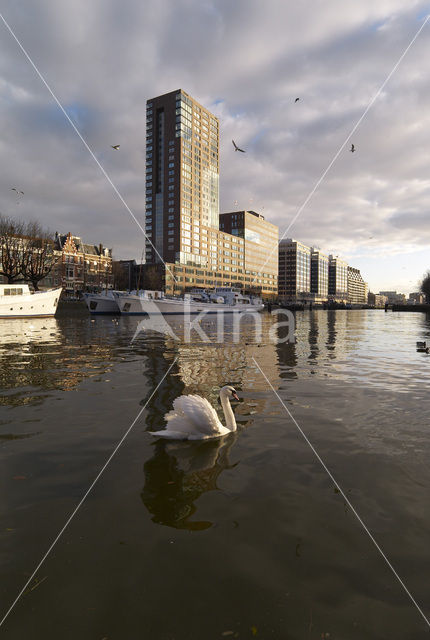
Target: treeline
(26, 251)
(425, 286)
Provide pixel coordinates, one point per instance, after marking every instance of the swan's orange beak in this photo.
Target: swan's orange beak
(235, 396)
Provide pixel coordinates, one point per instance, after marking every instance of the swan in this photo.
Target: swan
(194, 418)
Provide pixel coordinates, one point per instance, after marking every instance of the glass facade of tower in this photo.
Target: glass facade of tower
(182, 206)
(337, 279)
(182, 180)
(319, 273)
(294, 276)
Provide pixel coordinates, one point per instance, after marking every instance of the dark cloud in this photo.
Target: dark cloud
(247, 61)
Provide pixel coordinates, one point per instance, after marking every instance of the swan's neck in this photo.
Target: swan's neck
(230, 420)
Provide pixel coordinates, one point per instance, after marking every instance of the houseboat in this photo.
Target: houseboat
(103, 303)
(17, 301)
(220, 300)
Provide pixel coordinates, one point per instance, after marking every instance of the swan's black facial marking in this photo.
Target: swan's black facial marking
(232, 392)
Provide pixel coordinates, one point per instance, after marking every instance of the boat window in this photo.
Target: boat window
(6, 292)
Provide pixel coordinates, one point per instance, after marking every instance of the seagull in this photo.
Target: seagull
(296, 100)
(115, 146)
(236, 148)
(352, 148)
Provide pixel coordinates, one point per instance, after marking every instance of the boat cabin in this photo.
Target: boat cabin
(148, 294)
(232, 295)
(14, 290)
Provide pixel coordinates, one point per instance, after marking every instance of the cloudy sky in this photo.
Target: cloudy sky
(246, 61)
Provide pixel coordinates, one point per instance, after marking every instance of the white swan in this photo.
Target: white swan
(194, 418)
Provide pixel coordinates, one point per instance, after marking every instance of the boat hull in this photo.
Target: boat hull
(42, 304)
(135, 306)
(99, 304)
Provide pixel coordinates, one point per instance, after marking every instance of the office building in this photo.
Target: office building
(182, 206)
(319, 274)
(393, 297)
(357, 288)
(376, 300)
(337, 279)
(182, 180)
(416, 298)
(260, 249)
(294, 276)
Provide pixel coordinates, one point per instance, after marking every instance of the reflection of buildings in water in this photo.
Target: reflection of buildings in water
(313, 336)
(21, 332)
(323, 335)
(35, 355)
(331, 333)
(287, 351)
(204, 370)
(168, 388)
(178, 474)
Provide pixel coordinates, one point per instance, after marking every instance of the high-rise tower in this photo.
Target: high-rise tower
(182, 179)
(182, 207)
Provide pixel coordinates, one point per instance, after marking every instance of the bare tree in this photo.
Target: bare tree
(11, 248)
(425, 286)
(38, 255)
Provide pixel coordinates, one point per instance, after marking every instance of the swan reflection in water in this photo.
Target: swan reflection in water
(178, 474)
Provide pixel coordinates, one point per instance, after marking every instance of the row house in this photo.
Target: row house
(80, 266)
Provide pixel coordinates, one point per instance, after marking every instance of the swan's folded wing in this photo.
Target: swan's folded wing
(199, 412)
(177, 422)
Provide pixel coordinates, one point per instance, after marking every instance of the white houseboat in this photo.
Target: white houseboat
(221, 299)
(17, 301)
(102, 303)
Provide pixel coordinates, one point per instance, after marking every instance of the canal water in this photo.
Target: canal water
(242, 537)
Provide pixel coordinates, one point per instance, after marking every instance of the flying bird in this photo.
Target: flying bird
(17, 191)
(296, 100)
(236, 148)
(115, 146)
(352, 148)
